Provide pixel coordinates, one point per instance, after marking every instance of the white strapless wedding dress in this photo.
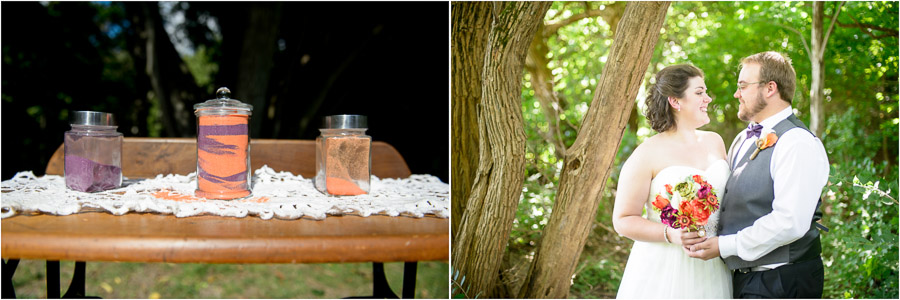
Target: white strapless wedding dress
(660, 270)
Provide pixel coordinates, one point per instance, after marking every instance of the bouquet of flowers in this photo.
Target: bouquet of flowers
(695, 200)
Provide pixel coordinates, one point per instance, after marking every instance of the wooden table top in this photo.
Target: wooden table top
(99, 236)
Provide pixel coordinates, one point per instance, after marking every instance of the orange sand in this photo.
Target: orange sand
(346, 159)
(341, 187)
(170, 195)
(224, 120)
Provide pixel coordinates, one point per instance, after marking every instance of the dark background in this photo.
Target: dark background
(294, 62)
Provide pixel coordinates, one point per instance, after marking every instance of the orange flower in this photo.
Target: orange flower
(669, 189)
(698, 179)
(763, 143)
(685, 208)
(700, 214)
(661, 202)
(767, 142)
(713, 201)
(683, 221)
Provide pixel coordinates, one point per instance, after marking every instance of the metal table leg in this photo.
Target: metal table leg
(76, 287)
(9, 268)
(409, 279)
(380, 286)
(52, 279)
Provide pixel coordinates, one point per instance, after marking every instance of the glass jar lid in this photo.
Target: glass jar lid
(345, 122)
(92, 118)
(223, 101)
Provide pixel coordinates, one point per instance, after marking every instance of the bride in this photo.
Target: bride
(657, 266)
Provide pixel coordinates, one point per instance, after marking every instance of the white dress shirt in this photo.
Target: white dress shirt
(799, 171)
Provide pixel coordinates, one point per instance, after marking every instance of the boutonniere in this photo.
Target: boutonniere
(764, 141)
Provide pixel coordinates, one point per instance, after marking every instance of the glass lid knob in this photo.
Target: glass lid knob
(223, 93)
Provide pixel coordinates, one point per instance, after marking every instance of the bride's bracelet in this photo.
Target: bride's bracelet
(666, 234)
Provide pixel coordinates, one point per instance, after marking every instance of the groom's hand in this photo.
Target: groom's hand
(706, 250)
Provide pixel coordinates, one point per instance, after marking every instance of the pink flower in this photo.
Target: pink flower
(704, 191)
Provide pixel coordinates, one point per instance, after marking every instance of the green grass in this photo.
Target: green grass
(166, 280)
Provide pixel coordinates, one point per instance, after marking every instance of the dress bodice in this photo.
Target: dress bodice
(674, 274)
(716, 175)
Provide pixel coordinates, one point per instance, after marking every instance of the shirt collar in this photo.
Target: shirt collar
(773, 120)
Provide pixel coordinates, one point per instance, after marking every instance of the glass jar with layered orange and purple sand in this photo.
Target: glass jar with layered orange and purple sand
(343, 156)
(93, 152)
(223, 147)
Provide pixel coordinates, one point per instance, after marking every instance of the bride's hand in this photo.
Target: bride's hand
(689, 238)
(677, 236)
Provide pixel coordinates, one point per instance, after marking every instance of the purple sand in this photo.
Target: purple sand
(85, 175)
(215, 147)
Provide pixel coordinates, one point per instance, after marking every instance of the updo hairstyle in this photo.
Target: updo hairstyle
(671, 81)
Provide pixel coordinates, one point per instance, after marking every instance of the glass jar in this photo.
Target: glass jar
(93, 152)
(343, 156)
(223, 147)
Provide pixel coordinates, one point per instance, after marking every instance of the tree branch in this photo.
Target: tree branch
(608, 11)
(803, 39)
(552, 28)
(830, 28)
(888, 31)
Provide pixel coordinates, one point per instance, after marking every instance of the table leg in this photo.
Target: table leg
(9, 268)
(52, 279)
(409, 279)
(380, 287)
(379, 282)
(76, 287)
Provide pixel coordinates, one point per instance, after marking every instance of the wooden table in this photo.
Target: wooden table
(212, 239)
(99, 236)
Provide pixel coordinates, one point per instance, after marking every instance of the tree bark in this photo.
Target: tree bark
(479, 246)
(470, 26)
(255, 64)
(589, 160)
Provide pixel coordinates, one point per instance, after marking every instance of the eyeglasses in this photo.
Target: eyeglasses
(742, 85)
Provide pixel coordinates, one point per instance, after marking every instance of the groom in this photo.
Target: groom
(768, 233)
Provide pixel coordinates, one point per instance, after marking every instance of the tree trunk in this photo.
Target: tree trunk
(174, 88)
(470, 26)
(255, 64)
(816, 58)
(589, 160)
(479, 246)
(817, 93)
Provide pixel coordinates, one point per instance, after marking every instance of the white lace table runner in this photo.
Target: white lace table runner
(275, 194)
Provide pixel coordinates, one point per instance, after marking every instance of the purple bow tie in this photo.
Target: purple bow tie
(754, 130)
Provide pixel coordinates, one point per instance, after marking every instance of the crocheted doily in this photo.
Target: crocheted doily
(275, 194)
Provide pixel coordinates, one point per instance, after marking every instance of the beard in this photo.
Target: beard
(751, 112)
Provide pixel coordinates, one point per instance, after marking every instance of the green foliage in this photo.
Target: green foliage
(203, 68)
(860, 133)
(860, 252)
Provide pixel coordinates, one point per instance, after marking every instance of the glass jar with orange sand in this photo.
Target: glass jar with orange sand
(223, 147)
(343, 156)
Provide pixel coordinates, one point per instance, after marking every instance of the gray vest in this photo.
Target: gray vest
(748, 196)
